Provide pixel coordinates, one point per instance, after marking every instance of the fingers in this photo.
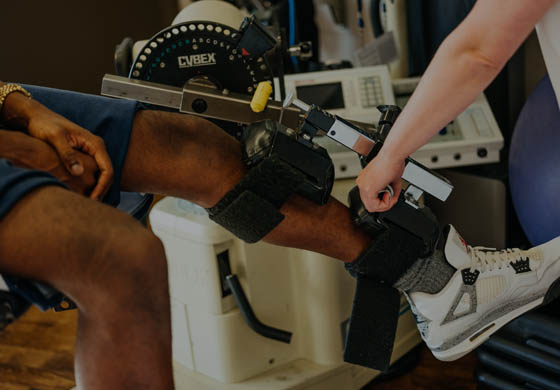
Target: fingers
(105, 178)
(86, 182)
(377, 198)
(378, 202)
(67, 154)
(397, 188)
(385, 203)
(95, 147)
(372, 203)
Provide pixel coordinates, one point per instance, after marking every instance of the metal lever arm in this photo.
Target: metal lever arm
(367, 145)
(203, 101)
(198, 100)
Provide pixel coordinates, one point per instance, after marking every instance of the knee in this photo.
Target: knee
(139, 260)
(130, 271)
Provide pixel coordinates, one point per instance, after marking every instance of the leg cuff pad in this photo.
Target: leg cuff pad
(375, 309)
(252, 208)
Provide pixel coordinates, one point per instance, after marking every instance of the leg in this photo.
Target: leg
(192, 158)
(113, 269)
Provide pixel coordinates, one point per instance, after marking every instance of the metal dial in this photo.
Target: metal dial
(202, 52)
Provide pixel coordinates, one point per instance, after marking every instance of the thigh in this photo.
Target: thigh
(59, 237)
(180, 155)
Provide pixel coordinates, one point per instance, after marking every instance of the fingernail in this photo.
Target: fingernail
(77, 169)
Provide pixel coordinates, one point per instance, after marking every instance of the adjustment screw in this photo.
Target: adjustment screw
(482, 152)
(199, 106)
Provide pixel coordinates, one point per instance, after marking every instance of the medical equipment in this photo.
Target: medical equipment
(206, 338)
(472, 138)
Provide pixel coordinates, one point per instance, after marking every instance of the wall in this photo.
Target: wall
(535, 68)
(70, 44)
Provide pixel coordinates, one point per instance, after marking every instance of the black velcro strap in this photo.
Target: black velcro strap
(375, 311)
(249, 217)
(371, 333)
(251, 209)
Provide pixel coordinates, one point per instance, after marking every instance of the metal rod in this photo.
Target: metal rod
(142, 91)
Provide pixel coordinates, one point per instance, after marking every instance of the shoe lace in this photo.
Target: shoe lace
(487, 259)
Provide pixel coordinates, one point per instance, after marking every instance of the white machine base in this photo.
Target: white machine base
(297, 375)
(303, 292)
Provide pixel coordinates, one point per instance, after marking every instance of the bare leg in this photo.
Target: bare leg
(192, 158)
(114, 270)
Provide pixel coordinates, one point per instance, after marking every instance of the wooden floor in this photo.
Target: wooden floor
(36, 354)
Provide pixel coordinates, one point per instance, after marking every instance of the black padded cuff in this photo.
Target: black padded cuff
(392, 252)
(375, 311)
(251, 209)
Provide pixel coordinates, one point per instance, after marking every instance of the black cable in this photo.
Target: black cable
(250, 317)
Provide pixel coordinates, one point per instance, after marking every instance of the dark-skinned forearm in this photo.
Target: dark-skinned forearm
(11, 145)
(24, 151)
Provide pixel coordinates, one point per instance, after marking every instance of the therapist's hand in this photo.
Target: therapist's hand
(66, 137)
(374, 178)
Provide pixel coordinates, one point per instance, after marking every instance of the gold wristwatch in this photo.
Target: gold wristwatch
(7, 89)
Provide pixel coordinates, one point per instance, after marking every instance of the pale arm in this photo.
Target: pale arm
(466, 62)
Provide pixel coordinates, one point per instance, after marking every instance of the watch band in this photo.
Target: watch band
(7, 89)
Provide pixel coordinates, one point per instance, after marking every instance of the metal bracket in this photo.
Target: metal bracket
(412, 195)
(367, 144)
(198, 100)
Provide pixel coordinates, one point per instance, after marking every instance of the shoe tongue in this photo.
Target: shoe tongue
(457, 252)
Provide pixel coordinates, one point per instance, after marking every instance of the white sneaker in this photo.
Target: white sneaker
(489, 289)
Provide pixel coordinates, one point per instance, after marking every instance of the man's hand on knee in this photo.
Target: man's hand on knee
(29, 152)
(66, 137)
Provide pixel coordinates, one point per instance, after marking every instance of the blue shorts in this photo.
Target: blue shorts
(111, 119)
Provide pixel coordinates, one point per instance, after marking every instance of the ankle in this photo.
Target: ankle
(429, 275)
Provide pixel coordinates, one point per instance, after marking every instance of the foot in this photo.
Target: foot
(489, 289)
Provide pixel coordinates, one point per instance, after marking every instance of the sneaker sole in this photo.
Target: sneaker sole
(481, 336)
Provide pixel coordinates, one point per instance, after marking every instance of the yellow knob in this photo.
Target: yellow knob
(260, 98)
